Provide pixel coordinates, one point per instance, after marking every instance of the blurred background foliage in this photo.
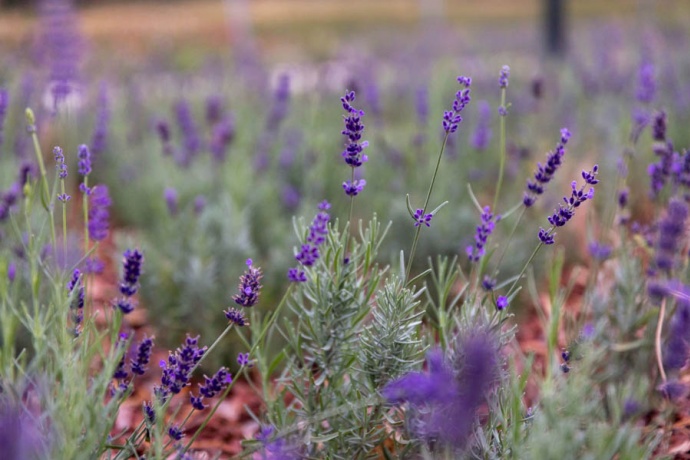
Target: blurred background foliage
(260, 80)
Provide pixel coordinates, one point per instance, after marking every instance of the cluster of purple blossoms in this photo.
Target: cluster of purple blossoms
(236, 317)
(141, 360)
(249, 287)
(444, 402)
(544, 173)
(564, 213)
(121, 370)
(660, 171)
(133, 260)
(211, 387)
(659, 126)
(309, 252)
(482, 133)
(75, 288)
(98, 213)
(84, 163)
(138, 363)
(452, 118)
(353, 154)
(671, 232)
(177, 370)
(503, 77)
(677, 347)
(421, 218)
(477, 250)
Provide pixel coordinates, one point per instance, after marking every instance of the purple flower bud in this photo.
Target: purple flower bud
(503, 77)
(421, 218)
(501, 302)
(236, 317)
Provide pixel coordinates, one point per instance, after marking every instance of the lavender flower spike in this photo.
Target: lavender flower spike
(545, 173)
(503, 77)
(249, 288)
(98, 213)
(452, 118)
(4, 103)
(309, 252)
(476, 252)
(141, 360)
(84, 164)
(563, 214)
(671, 232)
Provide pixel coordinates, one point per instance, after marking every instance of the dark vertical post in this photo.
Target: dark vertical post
(554, 27)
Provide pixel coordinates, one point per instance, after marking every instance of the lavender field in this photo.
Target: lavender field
(318, 229)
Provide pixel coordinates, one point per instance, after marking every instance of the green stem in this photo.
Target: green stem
(85, 208)
(524, 268)
(503, 151)
(349, 215)
(424, 208)
(45, 189)
(64, 220)
(510, 239)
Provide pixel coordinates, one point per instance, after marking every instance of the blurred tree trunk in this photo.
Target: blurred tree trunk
(554, 27)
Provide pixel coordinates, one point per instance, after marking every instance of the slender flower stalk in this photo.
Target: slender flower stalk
(451, 121)
(503, 112)
(45, 189)
(63, 197)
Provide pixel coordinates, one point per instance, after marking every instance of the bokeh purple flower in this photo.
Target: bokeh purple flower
(99, 214)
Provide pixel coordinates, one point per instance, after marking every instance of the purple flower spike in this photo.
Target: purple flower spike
(133, 260)
(84, 163)
(452, 118)
(503, 77)
(545, 173)
(141, 361)
(354, 145)
(476, 252)
(482, 134)
(98, 213)
(309, 252)
(249, 287)
(671, 232)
